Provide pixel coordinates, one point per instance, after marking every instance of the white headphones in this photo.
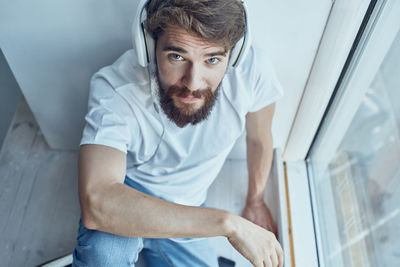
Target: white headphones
(144, 44)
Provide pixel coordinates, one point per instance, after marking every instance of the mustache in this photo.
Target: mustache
(185, 92)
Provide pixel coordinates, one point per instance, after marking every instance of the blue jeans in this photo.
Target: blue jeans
(96, 248)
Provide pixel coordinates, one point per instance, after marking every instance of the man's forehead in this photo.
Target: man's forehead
(179, 39)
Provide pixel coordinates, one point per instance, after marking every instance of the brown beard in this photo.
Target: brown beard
(183, 116)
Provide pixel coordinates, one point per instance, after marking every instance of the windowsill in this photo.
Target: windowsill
(302, 234)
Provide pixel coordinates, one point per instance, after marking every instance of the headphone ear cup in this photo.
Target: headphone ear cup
(235, 53)
(239, 51)
(150, 46)
(143, 44)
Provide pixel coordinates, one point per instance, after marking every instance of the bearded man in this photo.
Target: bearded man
(160, 125)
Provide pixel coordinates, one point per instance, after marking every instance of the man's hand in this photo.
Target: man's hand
(256, 244)
(259, 213)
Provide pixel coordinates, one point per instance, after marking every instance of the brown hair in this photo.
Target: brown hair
(221, 21)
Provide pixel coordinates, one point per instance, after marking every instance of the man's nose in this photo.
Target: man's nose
(193, 78)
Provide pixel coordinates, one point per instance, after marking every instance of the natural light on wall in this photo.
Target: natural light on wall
(355, 184)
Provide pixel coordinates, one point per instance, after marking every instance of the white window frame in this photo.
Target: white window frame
(374, 44)
(340, 32)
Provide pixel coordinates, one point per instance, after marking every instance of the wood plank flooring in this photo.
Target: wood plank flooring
(39, 207)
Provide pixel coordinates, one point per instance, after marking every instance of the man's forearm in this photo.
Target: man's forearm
(124, 211)
(259, 159)
(128, 212)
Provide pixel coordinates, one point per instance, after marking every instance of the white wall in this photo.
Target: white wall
(53, 48)
(291, 31)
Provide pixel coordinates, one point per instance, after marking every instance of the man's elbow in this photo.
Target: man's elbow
(88, 222)
(90, 211)
(259, 143)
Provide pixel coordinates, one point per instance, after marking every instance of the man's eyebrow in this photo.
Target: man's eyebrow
(181, 50)
(175, 49)
(217, 53)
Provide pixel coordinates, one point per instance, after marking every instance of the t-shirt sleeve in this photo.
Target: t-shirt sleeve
(266, 88)
(106, 122)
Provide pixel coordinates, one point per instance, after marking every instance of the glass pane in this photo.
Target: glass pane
(357, 192)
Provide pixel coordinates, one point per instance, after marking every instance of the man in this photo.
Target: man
(156, 137)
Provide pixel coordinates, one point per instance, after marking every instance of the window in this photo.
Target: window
(354, 162)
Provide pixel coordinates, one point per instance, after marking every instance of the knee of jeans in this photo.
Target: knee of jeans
(100, 247)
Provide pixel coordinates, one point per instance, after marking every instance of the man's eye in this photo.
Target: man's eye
(213, 60)
(176, 57)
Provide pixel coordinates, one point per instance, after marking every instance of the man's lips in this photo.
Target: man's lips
(189, 99)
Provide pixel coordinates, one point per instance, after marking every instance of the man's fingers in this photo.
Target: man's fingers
(267, 262)
(279, 251)
(274, 259)
(259, 264)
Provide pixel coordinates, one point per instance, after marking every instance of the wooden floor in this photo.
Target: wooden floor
(39, 208)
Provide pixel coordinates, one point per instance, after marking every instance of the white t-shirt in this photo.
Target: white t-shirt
(176, 164)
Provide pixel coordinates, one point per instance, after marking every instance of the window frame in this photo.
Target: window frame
(374, 44)
(341, 29)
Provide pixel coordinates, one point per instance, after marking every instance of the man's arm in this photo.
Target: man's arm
(259, 159)
(110, 206)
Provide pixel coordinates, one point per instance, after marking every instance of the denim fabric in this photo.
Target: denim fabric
(96, 248)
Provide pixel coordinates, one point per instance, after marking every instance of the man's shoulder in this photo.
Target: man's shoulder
(255, 59)
(125, 70)
(249, 70)
(253, 81)
(124, 78)
(257, 66)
